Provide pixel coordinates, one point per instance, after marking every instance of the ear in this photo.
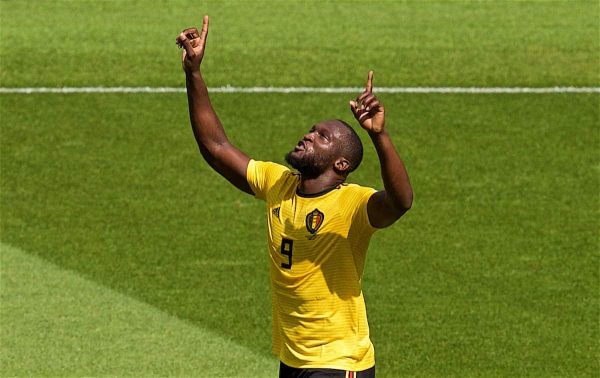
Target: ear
(342, 166)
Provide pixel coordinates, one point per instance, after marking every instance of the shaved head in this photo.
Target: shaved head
(329, 145)
(351, 147)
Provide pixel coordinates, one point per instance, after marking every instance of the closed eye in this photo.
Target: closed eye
(320, 134)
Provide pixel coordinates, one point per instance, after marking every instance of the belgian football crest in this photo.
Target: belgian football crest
(314, 220)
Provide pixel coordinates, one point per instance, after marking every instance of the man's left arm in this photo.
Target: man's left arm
(387, 206)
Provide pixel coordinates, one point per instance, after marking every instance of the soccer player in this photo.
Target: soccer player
(319, 226)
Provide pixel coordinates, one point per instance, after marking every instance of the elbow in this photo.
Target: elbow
(403, 205)
(403, 209)
(406, 207)
(211, 152)
(408, 203)
(401, 198)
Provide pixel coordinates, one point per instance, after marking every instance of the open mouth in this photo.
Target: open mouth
(300, 146)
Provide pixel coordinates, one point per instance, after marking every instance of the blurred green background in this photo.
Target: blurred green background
(124, 254)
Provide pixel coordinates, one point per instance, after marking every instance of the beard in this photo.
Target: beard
(309, 166)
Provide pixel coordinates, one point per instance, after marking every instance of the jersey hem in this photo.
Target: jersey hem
(358, 367)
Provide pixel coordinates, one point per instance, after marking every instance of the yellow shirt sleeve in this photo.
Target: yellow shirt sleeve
(264, 176)
(361, 197)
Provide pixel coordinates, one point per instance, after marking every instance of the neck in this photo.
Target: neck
(319, 184)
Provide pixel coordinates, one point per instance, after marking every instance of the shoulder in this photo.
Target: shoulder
(267, 170)
(354, 202)
(354, 191)
(267, 166)
(353, 197)
(265, 177)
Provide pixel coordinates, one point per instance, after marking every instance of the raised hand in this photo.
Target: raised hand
(367, 109)
(193, 44)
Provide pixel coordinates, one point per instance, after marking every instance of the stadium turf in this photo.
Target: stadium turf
(123, 253)
(66, 325)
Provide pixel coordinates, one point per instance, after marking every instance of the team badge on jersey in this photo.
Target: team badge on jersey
(276, 211)
(314, 220)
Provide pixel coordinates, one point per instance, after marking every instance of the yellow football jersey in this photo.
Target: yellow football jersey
(317, 247)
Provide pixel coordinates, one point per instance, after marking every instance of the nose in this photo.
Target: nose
(309, 136)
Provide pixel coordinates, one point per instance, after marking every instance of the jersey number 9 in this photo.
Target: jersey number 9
(286, 250)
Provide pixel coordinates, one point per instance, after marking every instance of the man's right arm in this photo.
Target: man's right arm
(216, 149)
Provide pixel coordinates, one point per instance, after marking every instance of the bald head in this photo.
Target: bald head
(329, 145)
(350, 147)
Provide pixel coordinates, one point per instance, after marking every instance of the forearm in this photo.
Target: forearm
(207, 128)
(223, 157)
(398, 190)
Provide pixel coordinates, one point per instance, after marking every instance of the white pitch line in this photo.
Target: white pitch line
(230, 89)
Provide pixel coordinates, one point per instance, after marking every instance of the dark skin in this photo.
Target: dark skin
(321, 142)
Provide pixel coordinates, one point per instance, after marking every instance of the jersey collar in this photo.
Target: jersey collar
(318, 194)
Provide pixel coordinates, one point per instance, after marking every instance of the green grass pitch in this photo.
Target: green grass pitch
(122, 253)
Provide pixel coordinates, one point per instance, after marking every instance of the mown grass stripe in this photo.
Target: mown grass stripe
(231, 89)
(57, 323)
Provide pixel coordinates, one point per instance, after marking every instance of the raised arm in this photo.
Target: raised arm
(221, 155)
(387, 206)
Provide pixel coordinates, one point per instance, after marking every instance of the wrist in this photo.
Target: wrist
(193, 73)
(376, 135)
(194, 78)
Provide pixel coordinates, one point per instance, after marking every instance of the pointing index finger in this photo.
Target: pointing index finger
(204, 28)
(369, 87)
